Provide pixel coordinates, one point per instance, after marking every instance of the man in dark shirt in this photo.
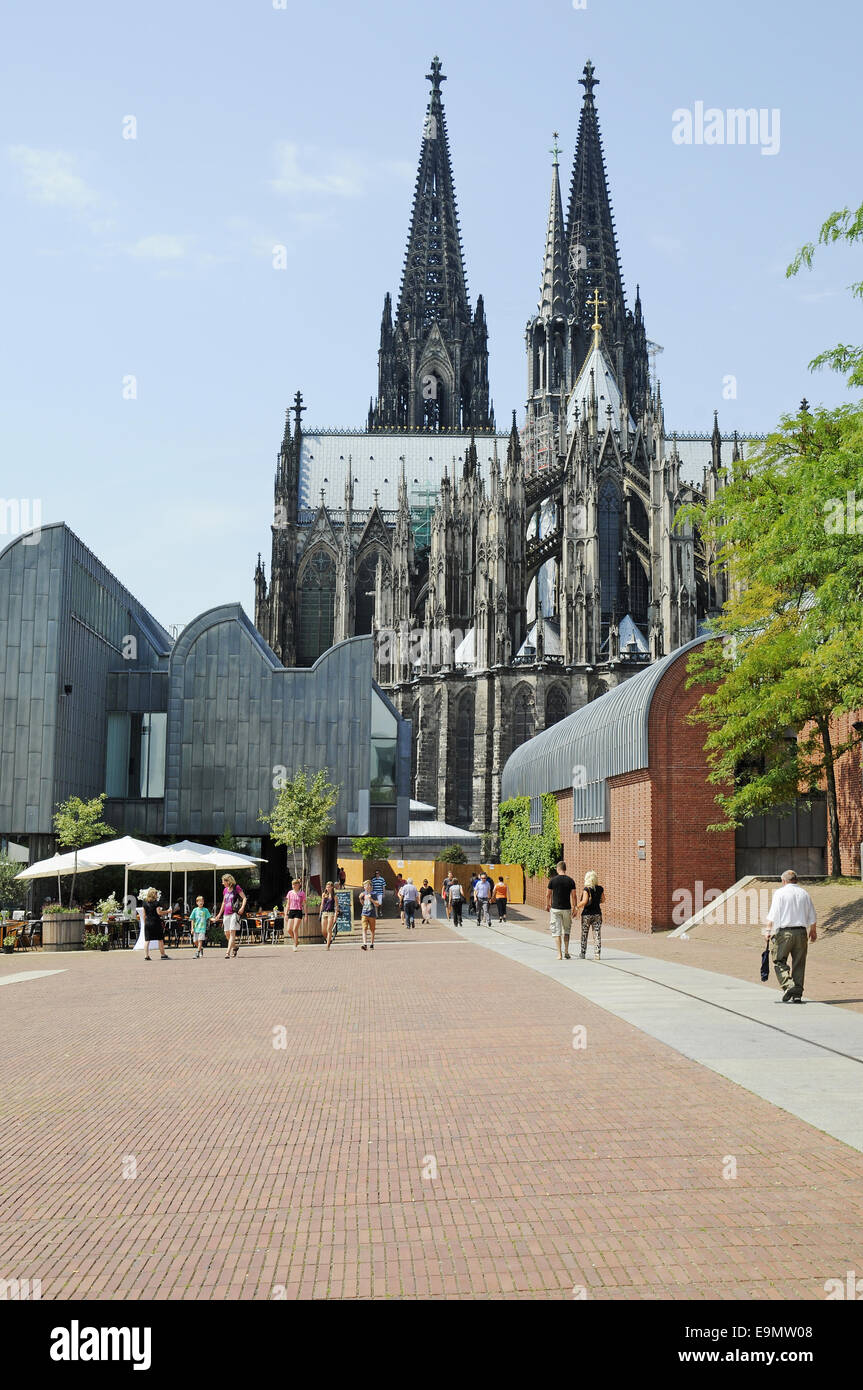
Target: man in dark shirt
(561, 899)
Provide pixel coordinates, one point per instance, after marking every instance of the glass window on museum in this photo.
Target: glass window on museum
(135, 756)
(384, 760)
(316, 602)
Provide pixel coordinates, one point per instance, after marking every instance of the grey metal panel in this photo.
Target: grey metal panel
(604, 738)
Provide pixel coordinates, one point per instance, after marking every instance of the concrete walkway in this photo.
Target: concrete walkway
(806, 1059)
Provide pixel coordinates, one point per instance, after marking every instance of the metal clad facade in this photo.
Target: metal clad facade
(602, 739)
(237, 717)
(235, 714)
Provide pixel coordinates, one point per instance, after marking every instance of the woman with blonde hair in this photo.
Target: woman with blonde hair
(593, 895)
(154, 929)
(233, 906)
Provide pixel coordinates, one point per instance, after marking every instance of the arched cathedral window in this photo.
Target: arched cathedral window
(556, 706)
(315, 602)
(523, 716)
(463, 798)
(432, 391)
(364, 594)
(638, 593)
(609, 551)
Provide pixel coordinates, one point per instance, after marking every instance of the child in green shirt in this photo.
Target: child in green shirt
(200, 918)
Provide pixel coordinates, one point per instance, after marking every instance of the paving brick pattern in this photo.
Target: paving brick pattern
(299, 1171)
(834, 963)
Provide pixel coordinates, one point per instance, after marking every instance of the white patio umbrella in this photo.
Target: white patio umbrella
(212, 857)
(169, 859)
(58, 864)
(129, 852)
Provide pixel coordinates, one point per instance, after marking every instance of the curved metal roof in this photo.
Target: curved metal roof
(603, 739)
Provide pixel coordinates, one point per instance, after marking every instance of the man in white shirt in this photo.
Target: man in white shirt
(792, 927)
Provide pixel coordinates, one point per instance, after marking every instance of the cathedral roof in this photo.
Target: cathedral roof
(552, 645)
(597, 375)
(376, 464)
(695, 452)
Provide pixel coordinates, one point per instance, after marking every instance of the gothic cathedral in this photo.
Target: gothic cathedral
(508, 577)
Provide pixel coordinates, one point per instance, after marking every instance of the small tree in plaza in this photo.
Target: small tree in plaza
(302, 814)
(13, 892)
(453, 854)
(78, 824)
(371, 846)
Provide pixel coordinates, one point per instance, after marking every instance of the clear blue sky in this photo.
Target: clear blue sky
(258, 125)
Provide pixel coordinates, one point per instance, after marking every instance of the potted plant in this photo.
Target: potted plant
(108, 907)
(96, 941)
(9, 941)
(62, 927)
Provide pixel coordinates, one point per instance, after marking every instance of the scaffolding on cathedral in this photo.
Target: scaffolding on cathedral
(539, 443)
(423, 503)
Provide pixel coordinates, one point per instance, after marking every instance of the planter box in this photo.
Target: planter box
(63, 931)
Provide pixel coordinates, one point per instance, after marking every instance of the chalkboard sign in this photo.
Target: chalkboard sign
(345, 919)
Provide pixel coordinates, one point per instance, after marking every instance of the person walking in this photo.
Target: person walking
(455, 895)
(410, 899)
(329, 913)
(445, 887)
(482, 893)
(792, 922)
(379, 884)
(471, 901)
(341, 876)
(368, 916)
(295, 910)
(200, 918)
(426, 900)
(501, 897)
(560, 900)
(590, 907)
(154, 927)
(400, 883)
(233, 906)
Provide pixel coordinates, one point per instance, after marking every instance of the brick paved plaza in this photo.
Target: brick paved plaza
(309, 1170)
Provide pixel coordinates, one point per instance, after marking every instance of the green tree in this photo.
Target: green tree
(302, 814)
(78, 824)
(13, 893)
(371, 846)
(846, 226)
(227, 842)
(454, 854)
(791, 657)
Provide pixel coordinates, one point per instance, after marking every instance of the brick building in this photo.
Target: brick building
(630, 777)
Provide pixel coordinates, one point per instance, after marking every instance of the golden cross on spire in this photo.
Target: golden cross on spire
(596, 302)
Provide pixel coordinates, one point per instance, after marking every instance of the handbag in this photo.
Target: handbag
(765, 963)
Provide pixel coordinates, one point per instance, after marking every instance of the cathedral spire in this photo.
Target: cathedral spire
(434, 285)
(591, 240)
(552, 294)
(433, 357)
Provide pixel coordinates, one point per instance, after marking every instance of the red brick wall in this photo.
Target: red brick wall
(613, 856)
(685, 852)
(667, 805)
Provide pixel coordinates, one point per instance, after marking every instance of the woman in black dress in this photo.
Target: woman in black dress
(153, 927)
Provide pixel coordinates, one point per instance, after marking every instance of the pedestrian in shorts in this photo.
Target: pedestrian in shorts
(561, 899)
